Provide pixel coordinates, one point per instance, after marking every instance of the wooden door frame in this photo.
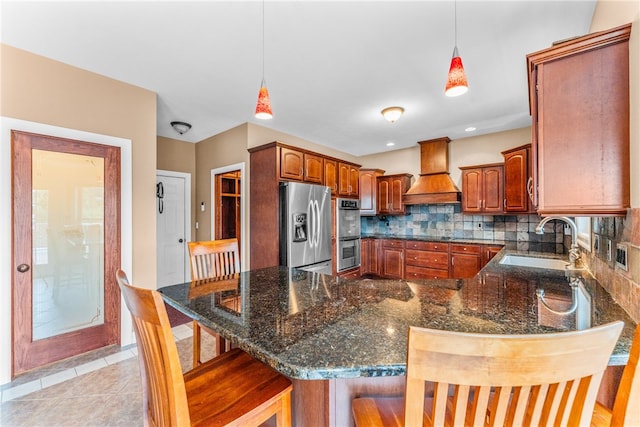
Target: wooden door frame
(187, 212)
(243, 203)
(126, 223)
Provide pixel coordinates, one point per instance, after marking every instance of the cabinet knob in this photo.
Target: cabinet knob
(415, 257)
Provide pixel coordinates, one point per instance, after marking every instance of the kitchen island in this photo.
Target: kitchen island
(338, 338)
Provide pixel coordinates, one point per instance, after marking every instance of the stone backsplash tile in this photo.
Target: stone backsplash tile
(622, 285)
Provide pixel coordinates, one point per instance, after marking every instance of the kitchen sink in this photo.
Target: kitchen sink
(534, 262)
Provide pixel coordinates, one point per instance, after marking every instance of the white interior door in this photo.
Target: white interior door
(173, 228)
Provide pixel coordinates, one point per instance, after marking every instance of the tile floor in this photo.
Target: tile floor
(100, 388)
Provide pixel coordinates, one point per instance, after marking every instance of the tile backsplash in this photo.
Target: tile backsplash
(622, 285)
(448, 222)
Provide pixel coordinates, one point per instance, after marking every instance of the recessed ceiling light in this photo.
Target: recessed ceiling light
(470, 129)
(390, 144)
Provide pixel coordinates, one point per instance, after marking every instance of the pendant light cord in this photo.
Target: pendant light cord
(455, 24)
(262, 43)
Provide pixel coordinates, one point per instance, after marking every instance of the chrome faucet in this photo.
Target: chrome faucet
(574, 252)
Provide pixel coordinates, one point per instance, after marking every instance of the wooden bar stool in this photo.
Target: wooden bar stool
(496, 380)
(231, 389)
(211, 259)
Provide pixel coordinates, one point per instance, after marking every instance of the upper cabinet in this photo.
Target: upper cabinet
(348, 179)
(390, 191)
(368, 190)
(291, 164)
(483, 189)
(518, 180)
(331, 175)
(579, 98)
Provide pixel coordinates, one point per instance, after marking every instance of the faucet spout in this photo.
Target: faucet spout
(574, 252)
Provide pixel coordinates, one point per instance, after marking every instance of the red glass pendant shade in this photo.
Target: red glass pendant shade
(263, 107)
(457, 80)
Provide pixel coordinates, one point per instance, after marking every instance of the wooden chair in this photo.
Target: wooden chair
(626, 406)
(497, 380)
(231, 389)
(211, 259)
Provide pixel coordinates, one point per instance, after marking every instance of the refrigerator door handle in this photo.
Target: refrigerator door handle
(312, 223)
(317, 225)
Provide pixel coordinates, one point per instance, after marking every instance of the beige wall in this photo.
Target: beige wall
(476, 150)
(38, 89)
(610, 14)
(179, 156)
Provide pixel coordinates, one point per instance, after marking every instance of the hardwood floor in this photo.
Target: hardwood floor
(100, 388)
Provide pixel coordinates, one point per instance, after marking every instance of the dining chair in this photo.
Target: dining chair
(496, 380)
(210, 259)
(626, 405)
(230, 389)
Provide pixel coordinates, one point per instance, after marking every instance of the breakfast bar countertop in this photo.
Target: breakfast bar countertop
(313, 326)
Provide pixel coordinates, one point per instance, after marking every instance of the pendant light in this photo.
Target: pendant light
(263, 107)
(457, 80)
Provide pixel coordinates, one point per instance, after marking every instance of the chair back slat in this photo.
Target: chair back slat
(626, 407)
(214, 258)
(517, 380)
(163, 392)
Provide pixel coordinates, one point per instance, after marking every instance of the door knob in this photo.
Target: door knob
(180, 240)
(23, 268)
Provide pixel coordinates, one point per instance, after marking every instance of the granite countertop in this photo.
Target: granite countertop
(313, 326)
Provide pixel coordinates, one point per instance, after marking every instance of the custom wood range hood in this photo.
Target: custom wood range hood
(434, 185)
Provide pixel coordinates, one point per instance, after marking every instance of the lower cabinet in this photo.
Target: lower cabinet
(426, 260)
(370, 256)
(392, 260)
(466, 260)
(352, 273)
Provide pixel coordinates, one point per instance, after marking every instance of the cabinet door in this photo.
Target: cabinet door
(492, 185)
(313, 168)
(488, 252)
(472, 190)
(365, 259)
(516, 179)
(368, 191)
(344, 179)
(580, 109)
(354, 181)
(393, 263)
(383, 195)
(464, 266)
(291, 164)
(331, 175)
(396, 186)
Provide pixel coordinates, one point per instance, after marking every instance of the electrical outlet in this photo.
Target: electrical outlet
(608, 250)
(479, 226)
(596, 243)
(621, 257)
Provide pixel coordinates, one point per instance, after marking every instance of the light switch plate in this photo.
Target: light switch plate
(608, 250)
(621, 257)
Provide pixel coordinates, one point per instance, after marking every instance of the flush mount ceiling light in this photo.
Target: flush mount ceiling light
(263, 107)
(181, 127)
(392, 113)
(457, 80)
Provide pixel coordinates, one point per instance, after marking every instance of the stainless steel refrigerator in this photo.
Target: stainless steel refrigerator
(305, 226)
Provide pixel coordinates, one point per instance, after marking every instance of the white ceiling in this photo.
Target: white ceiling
(330, 66)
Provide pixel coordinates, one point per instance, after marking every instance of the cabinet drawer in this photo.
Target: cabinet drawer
(428, 246)
(413, 272)
(389, 243)
(466, 249)
(427, 259)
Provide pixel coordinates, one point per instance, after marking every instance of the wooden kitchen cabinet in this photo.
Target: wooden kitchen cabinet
(579, 99)
(488, 252)
(369, 256)
(466, 260)
(348, 179)
(392, 259)
(368, 191)
(313, 169)
(291, 164)
(390, 191)
(331, 175)
(483, 188)
(518, 180)
(426, 260)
